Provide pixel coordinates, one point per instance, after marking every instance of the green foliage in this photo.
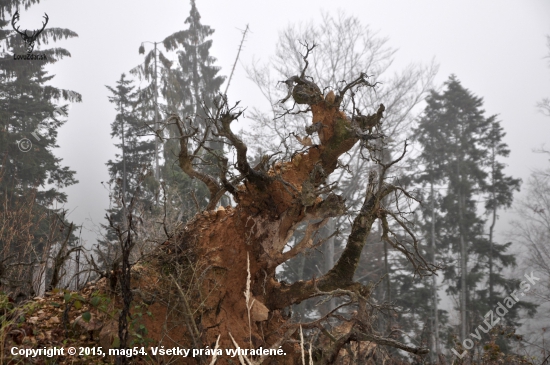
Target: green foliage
(72, 297)
(28, 105)
(138, 331)
(190, 87)
(136, 151)
(99, 301)
(131, 165)
(461, 150)
(86, 316)
(95, 301)
(194, 82)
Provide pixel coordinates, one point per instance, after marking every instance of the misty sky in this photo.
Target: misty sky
(496, 48)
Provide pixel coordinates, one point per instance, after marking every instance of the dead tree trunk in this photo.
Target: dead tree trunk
(273, 199)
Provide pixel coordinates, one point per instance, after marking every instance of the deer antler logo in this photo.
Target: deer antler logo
(28, 36)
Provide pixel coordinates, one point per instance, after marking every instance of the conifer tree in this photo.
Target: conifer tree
(195, 81)
(455, 122)
(190, 88)
(30, 117)
(500, 190)
(135, 149)
(186, 87)
(155, 70)
(460, 152)
(132, 162)
(431, 176)
(28, 105)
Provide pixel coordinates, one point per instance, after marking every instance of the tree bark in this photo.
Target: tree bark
(463, 271)
(329, 256)
(271, 204)
(434, 280)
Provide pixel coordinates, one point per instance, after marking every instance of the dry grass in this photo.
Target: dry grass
(248, 297)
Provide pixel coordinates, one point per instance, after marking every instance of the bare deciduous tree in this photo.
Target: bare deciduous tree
(533, 231)
(345, 48)
(544, 104)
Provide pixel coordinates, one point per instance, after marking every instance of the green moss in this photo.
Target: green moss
(341, 134)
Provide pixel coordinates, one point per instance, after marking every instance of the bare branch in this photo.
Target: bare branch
(186, 161)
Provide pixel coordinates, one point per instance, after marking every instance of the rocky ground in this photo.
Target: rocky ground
(86, 320)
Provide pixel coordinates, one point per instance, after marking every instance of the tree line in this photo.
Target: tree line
(457, 175)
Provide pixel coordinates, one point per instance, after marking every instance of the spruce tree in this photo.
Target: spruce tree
(127, 170)
(454, 121)
(155, 70)
(29, 106)
(195, 81)
(30, 117)
(190, 88)
(500, 190)
(460, 152)
(136, 150)
(430, 176)
(185, 88)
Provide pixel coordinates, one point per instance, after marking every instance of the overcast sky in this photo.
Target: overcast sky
(496, 48)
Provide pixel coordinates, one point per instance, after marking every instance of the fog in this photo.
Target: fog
(496, 48)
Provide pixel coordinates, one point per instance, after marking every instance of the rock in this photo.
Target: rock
(259, 311)
(93, 325)
(108, 334)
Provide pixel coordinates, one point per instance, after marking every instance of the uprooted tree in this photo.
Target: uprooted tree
(280, 204)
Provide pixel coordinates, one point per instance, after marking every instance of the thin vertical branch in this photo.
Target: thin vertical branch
(302, 346)
(248, 296)
(236, 59)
